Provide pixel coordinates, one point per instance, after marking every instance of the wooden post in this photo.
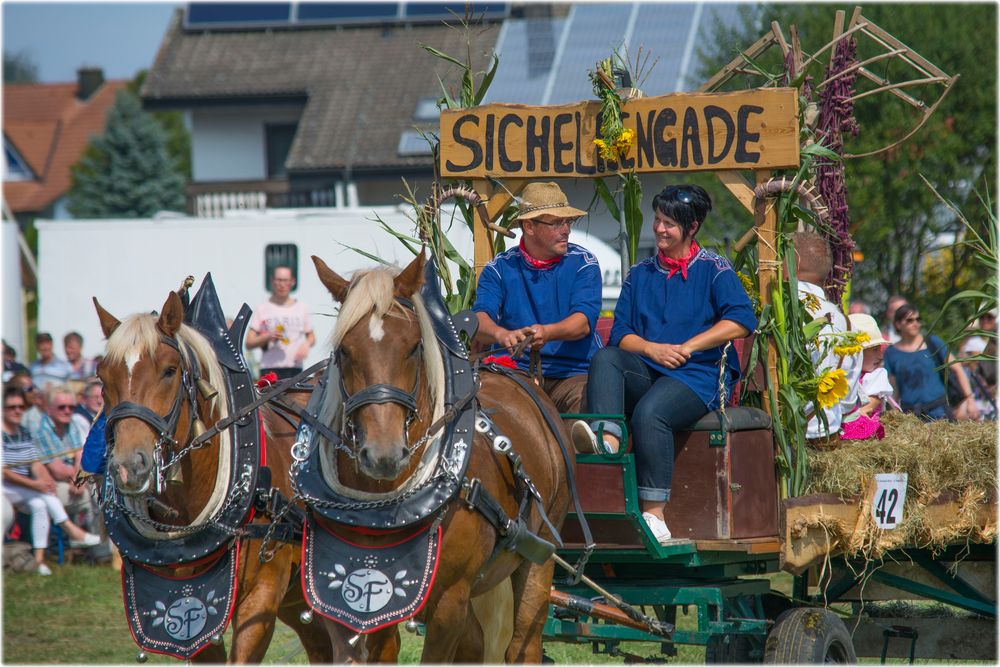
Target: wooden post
(767, 271)
(497, 200)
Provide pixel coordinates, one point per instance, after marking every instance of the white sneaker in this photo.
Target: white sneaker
(43, 570)
(585, 440)
(658, 527)
(89, 540)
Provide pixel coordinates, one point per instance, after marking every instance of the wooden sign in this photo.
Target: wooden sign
(756, 129)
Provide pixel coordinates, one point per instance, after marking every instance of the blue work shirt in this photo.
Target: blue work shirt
(95, 448)
(672, 310)
(515, 294)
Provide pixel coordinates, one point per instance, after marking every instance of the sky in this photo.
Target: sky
(120, 37)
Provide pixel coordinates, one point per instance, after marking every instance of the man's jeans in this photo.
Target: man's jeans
(621, 383)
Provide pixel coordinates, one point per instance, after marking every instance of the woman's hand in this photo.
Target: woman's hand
(667, 355)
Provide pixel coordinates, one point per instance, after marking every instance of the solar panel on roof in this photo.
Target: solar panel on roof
(448, 10)
(212, 14)
(346, 12)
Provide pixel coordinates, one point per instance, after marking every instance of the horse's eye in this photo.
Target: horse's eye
(415, 350)
(169, 372)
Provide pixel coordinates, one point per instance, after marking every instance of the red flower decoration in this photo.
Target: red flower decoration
(500, 360)
(267, 380)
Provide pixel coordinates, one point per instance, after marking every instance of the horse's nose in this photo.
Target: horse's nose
(379, 466)
(134, 468)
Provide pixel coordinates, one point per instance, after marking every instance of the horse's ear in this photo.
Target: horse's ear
(171, 316)
(411, 278)
(336, 285)
(108, 321)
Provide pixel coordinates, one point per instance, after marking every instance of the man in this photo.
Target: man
(35, 398)
(547, 288)
(61, 449)
(10, 363)
(891, 306)
(91, 403)
(80, 368)
(812, 265)
(48, 368)
(282, 328)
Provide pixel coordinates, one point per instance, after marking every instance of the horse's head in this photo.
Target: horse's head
(151, 375)
(385, 378)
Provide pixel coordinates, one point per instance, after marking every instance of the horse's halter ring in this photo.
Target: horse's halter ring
(163, 426)
(381, 393)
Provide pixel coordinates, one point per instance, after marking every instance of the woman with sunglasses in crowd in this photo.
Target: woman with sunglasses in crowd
(676, 312)
(912, 364)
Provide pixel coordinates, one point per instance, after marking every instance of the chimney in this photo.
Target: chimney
(89, 79)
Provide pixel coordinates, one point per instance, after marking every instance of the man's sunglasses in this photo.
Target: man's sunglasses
(567, 223)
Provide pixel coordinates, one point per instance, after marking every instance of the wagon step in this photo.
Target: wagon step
(606, 612)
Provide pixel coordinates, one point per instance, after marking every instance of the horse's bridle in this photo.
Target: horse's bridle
(381, 393)
(163, 425)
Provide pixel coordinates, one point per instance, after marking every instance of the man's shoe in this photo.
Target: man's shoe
(44, 570)
(658, 527)
(89, 540)
(585, 440)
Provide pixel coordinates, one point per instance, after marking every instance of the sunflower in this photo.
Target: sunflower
(624, 142)
(604, 149)
(832, 387)
(852, 343)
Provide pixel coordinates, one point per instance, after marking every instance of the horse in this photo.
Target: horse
(383, 339)
(148, 364)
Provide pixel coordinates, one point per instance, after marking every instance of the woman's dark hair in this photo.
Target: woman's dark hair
(13, 390)
(686, 204)
(903, 312)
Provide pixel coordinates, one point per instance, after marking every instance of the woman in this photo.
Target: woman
(28, 485)
(912, 366)
(676, 312)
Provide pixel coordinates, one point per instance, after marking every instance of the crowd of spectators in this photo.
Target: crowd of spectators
(48, 409)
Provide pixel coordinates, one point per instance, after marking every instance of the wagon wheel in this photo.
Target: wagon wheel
(811, 636)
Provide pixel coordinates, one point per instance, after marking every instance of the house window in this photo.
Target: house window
(14, 168)
(280, 254)
(279, 138)
(427, 110)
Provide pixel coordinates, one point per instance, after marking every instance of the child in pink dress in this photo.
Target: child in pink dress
(874, 383)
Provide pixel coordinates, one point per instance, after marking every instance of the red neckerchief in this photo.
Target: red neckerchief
(674, 265)
(538, 263)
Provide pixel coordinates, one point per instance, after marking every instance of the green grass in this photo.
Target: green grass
(76, 616)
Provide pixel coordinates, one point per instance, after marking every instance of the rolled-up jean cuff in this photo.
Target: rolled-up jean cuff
(610, 428)
(654, 495)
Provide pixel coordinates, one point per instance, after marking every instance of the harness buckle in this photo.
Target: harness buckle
(502, 444)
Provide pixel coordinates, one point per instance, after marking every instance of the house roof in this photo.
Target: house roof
(361, 83)
(50, 128)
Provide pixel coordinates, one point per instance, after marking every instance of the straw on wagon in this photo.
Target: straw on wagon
(951, 490)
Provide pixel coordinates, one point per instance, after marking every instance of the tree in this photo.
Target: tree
(178, 137)
(126, 172)
(19, 68)
(896, 219)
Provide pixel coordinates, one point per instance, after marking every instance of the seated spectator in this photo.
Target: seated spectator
(86, 411)
(912, 365)
(48, 368)
(863, 421)
(891, 305)
(28, 485)
(61, 449)
(10, 363)
(36, 400)
(80, 368)
(676, 312)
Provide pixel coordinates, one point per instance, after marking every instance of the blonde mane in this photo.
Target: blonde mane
(372, 292)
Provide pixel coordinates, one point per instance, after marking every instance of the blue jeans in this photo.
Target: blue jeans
(621, 383)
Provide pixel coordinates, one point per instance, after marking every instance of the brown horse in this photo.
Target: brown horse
(381, 341)
(146, 358)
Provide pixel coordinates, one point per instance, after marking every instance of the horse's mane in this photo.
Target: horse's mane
(372, 291)
(138, 334)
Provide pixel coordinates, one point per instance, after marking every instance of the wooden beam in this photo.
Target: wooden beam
(739, 187)
(482, 238)
(779, 37)
(871, 76)
(766, 220)
(727, 72)
(890, 42)
(838, 31)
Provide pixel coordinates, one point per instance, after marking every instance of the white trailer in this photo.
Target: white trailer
(131, 265)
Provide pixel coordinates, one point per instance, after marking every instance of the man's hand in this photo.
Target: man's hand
(509, 338)
(45, 485)
(542, 333)
(667, 355)
(301, 353)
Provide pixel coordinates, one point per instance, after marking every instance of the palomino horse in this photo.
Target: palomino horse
(383, 340)
(148, 363)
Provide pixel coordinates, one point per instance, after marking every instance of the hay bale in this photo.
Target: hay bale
(951, 490)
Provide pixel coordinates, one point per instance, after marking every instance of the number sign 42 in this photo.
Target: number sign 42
(890, 494)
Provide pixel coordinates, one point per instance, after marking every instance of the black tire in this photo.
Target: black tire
(732, 650)
(811, 636)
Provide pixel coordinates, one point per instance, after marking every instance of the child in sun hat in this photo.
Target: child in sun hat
(874, 387)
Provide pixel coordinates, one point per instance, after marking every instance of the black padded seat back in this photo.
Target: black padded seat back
(737, 419)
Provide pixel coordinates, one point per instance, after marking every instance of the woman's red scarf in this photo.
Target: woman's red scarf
(538, 263)
(674, 265)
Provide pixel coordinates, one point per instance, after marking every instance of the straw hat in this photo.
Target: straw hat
(866, 324)
(540, 199)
